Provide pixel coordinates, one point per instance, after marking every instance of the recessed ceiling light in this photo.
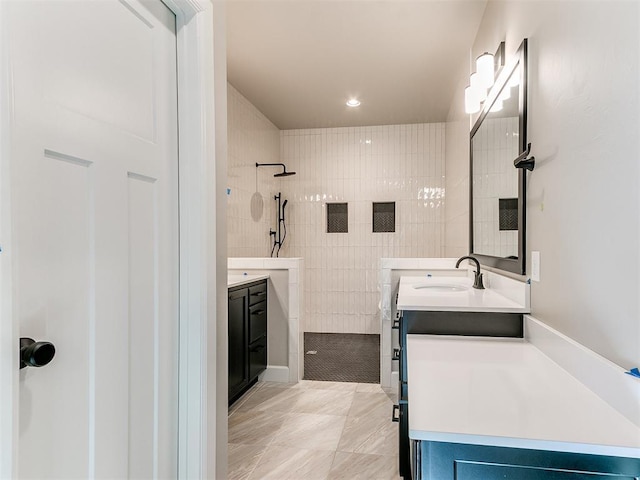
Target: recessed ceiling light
(353, 103)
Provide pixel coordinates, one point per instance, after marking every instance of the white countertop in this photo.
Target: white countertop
(237, 280)
(506, 392)
(470, 300)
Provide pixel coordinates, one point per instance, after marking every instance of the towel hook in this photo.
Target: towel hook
(523, 162)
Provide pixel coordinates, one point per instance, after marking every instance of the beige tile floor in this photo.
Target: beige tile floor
(313, 430)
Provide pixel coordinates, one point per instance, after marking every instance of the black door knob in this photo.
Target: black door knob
(35, 354)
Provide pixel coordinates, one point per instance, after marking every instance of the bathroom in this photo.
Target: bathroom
(119, 401)
(583, 132)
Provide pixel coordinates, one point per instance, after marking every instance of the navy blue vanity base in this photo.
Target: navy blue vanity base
(480, 324)
(455, 461)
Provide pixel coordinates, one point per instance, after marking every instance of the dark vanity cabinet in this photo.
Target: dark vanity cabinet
(480, 324)
(247, 336)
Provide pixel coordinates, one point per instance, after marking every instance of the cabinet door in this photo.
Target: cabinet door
(454, 461)
(238, 339)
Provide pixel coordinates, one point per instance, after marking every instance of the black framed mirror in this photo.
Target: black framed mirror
(497, 189)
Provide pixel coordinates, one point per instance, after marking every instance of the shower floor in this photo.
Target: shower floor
(342, 357)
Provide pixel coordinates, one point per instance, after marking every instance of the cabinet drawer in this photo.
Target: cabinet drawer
(257, 321)
(257, 293)
(257, 357)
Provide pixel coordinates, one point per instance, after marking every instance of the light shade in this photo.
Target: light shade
(471, 101)
(485, 70)
(354, 102)
(479, 89)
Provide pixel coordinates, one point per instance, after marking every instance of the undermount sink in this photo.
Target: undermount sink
(442, 288)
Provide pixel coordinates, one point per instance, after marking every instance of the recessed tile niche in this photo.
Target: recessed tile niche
(337, 218)
(384, 217)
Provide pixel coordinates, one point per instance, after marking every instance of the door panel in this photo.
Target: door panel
(142, 326)
(95, 230)
(116, 91)
(54, 305)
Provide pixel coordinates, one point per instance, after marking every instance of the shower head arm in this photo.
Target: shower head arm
(284, 172)
(270, 165)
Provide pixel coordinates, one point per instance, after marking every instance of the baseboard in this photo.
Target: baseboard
(275, 373)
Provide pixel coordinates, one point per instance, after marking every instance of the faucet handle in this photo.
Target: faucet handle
(477, 283)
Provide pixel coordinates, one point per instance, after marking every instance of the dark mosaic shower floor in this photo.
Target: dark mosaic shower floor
(342, 357)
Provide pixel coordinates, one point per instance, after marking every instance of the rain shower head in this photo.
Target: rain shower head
(284, 172)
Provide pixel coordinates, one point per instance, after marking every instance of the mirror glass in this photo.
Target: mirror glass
(497, 187)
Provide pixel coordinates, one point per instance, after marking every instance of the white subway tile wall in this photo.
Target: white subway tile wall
(252, 139)
(495, 147)
(457, 187)
(360, 165)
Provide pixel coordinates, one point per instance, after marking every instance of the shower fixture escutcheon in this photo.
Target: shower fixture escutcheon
(284, 172)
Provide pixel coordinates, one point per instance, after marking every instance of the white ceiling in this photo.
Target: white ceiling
(299, 61)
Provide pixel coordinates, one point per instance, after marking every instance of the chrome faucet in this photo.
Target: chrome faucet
(477, 282)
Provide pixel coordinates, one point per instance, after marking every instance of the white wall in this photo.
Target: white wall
(360, 165)
(582, 202)
(252, 139)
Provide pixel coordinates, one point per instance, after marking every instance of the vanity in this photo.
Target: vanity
(449, 306)
(247, 332)
(487, 392)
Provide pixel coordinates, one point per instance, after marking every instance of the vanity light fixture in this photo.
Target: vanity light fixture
(481, 81)
(353, 102)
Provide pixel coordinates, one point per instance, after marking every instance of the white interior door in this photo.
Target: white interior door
(94, 208)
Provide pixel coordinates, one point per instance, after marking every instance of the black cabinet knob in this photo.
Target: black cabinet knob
(35, 354)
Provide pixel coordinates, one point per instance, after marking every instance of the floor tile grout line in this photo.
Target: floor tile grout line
(258, 462)
(269, 443)
(341, 432)
(333, 459)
